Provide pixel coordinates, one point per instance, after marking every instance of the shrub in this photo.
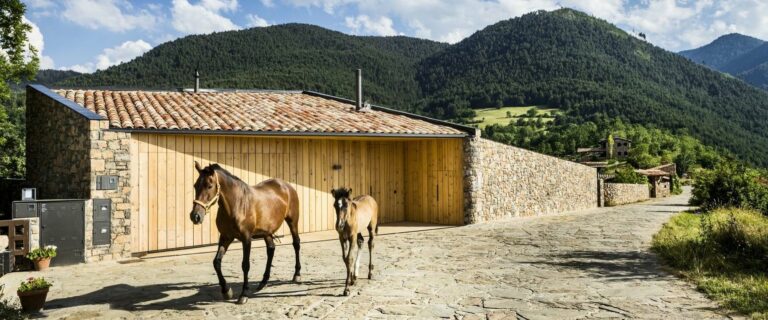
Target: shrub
(731, 184)
(628, 175)
(42, 253)
(724, 252)
(676, 186)
(33, 283)
(8, 310)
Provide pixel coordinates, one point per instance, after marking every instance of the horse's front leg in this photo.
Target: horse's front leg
(270, 253)
(350, 262)
(222, 249)
(246, 267)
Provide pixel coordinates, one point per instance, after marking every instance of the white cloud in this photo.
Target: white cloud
(268, 3)
(364, 24)
(122, 53)
(35, 38)
(107, 14)
(256, 21)
(203, 17)
(219, 5)
(113, 56)
(672, 24)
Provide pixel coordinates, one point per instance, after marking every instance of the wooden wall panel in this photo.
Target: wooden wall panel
(416, 180)
(434, 179)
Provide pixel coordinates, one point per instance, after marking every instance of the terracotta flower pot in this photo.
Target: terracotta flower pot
(33, 301)
(42, 264)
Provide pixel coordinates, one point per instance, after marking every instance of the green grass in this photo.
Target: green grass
(724, 253)
(490, 116)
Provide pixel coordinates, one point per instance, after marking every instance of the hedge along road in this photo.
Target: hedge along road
(586, 264)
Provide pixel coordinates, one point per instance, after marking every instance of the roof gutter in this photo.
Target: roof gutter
(88, 114)
(290, 133)
(471, 131)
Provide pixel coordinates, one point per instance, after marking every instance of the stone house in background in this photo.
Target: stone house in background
(620, 150)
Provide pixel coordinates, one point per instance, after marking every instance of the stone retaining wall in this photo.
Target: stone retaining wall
(624, 193)
(503, 182)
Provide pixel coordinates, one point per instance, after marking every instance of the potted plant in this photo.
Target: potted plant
(32, 293)
(42, 257)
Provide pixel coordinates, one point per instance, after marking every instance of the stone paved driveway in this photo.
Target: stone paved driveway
(581, 265)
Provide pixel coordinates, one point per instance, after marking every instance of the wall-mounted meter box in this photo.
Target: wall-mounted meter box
(106, 182)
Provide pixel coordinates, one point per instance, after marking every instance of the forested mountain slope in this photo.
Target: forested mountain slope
(739, 55)
(290, 56)
(722, 50)
(586, 66)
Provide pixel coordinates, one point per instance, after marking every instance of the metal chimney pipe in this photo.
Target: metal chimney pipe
(197, 81)
(359, 90)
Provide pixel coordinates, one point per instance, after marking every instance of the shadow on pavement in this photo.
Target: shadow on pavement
(192, 295)
(611, 266)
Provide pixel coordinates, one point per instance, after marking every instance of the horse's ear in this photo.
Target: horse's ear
(349, 191)
(197, 166)
(333, 192)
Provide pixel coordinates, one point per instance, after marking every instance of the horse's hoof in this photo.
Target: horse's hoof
(370, 276)
(227, 294)
(346, 292)
(297, 278)
(242, 300)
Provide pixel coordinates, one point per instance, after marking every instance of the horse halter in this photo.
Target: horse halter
(207, 206)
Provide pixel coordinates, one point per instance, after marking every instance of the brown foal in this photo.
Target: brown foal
(246, 212)
(352, 217)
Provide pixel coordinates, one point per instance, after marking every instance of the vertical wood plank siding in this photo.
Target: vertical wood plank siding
(415, 180)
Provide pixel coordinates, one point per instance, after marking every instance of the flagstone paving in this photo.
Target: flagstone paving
(581, 265)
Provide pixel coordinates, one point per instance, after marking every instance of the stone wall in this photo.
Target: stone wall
(67, 148)
(624, 193)
(58, 147)
(503, 182)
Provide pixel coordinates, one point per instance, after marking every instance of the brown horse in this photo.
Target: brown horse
(245, 213)
(352, 217)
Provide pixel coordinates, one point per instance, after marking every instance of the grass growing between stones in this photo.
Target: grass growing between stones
(724, 252)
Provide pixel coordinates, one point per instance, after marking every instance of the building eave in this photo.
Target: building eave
(88, 114)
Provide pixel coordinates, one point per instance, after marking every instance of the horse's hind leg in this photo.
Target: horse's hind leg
(296, 248)
(370, 252)
(360, 241)
(270, 253)
(222, 249)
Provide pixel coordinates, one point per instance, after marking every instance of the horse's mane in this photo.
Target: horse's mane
(236, 181)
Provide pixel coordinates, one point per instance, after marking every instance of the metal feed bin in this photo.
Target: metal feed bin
(62, 224)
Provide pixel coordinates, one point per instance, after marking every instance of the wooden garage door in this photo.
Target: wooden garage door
(163, 175)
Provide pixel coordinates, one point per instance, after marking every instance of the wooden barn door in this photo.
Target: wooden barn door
(434, 181)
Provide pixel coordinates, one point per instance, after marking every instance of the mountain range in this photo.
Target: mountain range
(563, 59)
(742, 56)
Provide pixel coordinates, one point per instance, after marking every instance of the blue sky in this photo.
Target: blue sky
(86, 35)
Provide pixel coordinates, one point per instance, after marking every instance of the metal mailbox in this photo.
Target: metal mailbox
(25, 209)
(102, 221)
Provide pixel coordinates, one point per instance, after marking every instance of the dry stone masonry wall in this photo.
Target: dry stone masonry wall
(624, 193)
(503, 182)
(58, 146)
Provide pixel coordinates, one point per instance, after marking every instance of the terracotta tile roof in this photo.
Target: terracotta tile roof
(248, 111)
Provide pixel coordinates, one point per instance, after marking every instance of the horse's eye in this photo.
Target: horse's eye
(210, 186)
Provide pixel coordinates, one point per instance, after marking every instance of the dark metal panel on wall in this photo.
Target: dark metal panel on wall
(102, 226)
(62, 223)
